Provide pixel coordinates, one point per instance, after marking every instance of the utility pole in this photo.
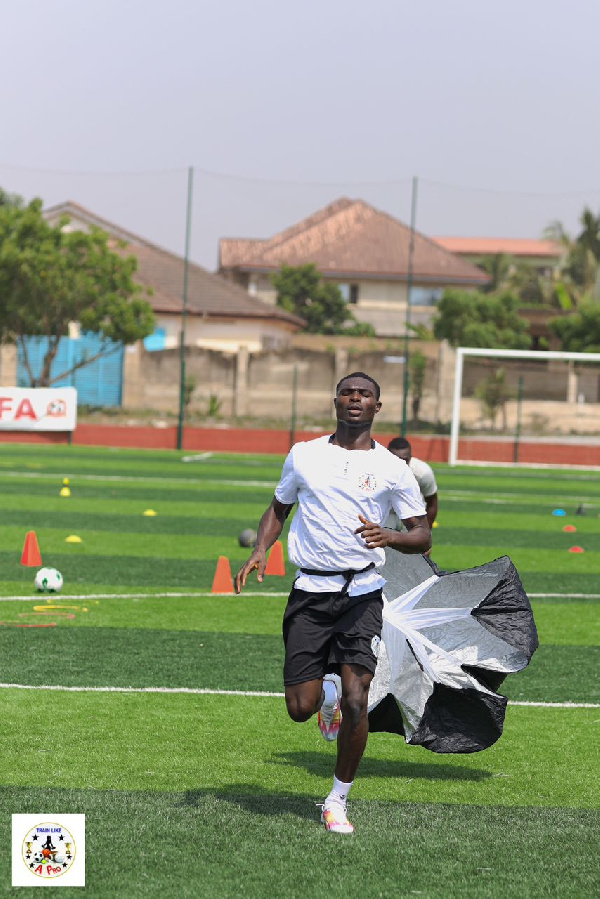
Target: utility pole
(186, 260)
(409, 283)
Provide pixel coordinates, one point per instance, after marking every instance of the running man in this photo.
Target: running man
(345, 486)
(423, 472)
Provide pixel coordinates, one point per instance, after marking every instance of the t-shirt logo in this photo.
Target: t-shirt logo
(367, 482)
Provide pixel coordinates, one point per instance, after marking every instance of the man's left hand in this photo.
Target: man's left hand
(373, 534)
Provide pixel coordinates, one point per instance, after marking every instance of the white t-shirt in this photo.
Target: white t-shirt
(332, 486)
(427, 485)
(424, 475)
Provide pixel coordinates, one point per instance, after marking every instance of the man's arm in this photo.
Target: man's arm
(269, 529)
(415, 539)
(431, 508)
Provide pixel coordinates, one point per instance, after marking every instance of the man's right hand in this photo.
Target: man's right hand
(258, 561)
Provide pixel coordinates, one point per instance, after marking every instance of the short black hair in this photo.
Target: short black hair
(399, 443)
(360, 374)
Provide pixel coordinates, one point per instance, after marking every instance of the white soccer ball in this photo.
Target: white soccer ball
(48, 580)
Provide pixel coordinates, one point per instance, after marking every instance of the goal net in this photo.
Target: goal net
(525, 407)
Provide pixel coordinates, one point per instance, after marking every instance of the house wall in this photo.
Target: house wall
(374, 294)
(225, 335)
(371, 293)
(381, 304)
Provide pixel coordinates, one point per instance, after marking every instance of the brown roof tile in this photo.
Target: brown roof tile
(511, 246)
(352, 238)
(207, 294)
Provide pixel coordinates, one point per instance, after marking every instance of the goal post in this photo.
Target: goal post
(539, 356)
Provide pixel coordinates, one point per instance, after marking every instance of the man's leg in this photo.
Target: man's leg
(303, 700)
(352, 739)
(354, 728)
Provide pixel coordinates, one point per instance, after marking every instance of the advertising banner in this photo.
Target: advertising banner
(38, 409)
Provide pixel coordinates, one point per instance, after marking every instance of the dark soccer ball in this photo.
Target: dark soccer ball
(247, 537)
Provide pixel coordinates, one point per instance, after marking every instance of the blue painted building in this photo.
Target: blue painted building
(100, 383)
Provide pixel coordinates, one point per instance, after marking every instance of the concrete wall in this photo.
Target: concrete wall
(8, 366)
(260, 385)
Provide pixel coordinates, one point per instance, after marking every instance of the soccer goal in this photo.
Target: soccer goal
(506, 401)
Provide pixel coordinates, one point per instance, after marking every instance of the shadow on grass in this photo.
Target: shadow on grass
(322, 765)
(253, 798)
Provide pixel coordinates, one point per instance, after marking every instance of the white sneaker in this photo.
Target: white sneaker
(330, 714)
(334, 818)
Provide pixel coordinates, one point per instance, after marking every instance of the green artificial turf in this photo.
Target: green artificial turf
(156, 741)
(209, 794)
(220, 843)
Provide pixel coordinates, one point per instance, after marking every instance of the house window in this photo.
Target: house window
(349, 293)
(425, 296)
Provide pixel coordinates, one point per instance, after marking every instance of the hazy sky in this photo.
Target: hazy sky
(282, 107)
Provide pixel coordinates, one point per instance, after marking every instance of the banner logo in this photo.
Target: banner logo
(48, 850)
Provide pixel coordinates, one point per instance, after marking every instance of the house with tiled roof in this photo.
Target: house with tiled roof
(220, 314)
(363, 250)
(542, 255)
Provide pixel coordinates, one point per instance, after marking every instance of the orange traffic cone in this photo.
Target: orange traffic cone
(222, 581)
(275, 563)
(31, 552)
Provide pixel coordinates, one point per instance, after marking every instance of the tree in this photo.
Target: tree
(50, 277)
(7, 199)
(579, 269)
(302, 291)
(480, 320)
(499, 267)
(533, 288)
(493, 392)
(580, 331)
(417, 364)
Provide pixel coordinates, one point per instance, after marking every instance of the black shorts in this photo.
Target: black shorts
(323, 630)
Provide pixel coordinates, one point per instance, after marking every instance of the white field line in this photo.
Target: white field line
(516, 466)
(198, 691)
(141, 479)
(559, 705)
(58, 597)
(229, 482)
(564, 595)
(474, 495)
